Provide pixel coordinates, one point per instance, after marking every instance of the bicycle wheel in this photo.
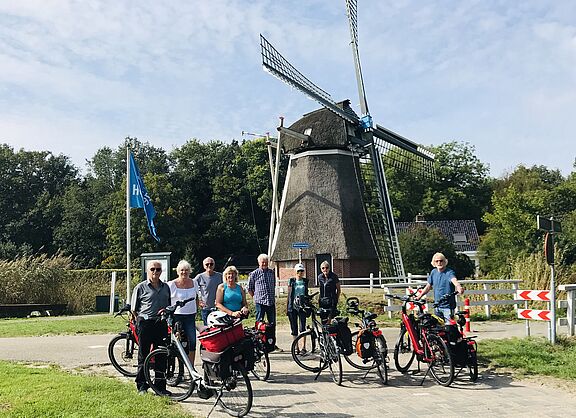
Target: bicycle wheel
(403, 352)
(236, 397)
(354, 359)
(334, 361)
(472, 365)
(159, 370)
(174, 370)
(381, 358)
(442, 366)
(123, 354)
(309, 360)
(261, 365)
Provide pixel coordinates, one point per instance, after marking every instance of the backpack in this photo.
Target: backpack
(365, 344)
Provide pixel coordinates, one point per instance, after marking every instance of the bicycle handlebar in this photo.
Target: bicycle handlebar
(444, 298)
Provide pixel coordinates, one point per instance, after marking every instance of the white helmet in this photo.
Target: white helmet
(219, 319)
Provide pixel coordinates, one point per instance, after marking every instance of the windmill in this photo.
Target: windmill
(335, 195)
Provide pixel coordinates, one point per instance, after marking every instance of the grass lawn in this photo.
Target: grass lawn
(531, 356)
(46, 391)
(61, 325)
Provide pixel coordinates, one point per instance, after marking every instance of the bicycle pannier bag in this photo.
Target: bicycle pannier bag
(365, 344)
(268, 336)
(325, 303)
(217, 339)
(343, 335)
(243, 355)
(217, 365)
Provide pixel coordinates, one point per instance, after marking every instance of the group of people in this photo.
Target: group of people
(211, 290)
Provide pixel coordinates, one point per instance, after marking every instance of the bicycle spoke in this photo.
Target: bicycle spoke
(236, 396)
(123, 354)
(381, 359)
(441, 367)
(310, 359)
(403, 352)
(164, 372)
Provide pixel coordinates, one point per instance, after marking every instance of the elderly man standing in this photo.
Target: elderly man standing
(443, 280)
(261, 286)
(207, 283)
(148, 299)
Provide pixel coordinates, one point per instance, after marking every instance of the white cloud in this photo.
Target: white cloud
(498, 74)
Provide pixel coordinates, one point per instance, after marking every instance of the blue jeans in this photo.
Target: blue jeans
(205, 313)
(189, 325)
(445, 313)
(269, 311)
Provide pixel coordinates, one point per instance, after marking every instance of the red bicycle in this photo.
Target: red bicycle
(420, 338)
(123, 348)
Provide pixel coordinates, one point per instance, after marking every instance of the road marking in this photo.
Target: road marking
(96, 346)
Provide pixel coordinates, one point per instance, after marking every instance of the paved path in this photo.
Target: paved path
(291, 392)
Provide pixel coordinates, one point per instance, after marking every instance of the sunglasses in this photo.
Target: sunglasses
(299, 271)
(155, 269)
(209, 264)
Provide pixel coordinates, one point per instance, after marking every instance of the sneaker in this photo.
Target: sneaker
(142, 392)
(303, 352)
(277, 349)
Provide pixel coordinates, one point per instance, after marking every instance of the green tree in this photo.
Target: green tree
(420, 243)
(32, 185)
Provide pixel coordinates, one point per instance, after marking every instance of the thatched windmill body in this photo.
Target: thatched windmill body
(335, 196)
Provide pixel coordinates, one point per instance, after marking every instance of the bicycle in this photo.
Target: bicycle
(420, 338)
(372, 345)
(261, 359)
(463, 348)
(123, 348)
(324, 351)
(224, 374)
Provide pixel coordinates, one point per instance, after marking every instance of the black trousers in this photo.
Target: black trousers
(151, 333)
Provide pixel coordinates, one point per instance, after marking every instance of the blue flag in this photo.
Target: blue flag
(139, 197)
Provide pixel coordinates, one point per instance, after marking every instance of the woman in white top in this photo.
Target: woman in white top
(183, 288)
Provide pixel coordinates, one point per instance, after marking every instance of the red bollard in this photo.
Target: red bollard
(467, 309)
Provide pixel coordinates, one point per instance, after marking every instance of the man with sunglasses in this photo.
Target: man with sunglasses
(148, 299)
(444, 281)
(207, 283)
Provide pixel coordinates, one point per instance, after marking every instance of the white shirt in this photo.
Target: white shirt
(177, 294)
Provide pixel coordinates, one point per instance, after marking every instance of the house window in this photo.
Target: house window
(460, 237)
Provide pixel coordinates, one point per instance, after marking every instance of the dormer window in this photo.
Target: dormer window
(460, 237)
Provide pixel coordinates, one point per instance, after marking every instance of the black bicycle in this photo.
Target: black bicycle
(323, 351)
(371, 348)
(261, 359)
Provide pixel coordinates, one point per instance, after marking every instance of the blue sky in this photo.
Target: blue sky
(79, 75)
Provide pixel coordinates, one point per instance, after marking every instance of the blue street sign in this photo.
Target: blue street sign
(301, 245)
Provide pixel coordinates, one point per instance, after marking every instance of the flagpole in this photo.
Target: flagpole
(128, 246)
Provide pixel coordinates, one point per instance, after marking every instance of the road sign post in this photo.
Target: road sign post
(301, 245)
(551, 227)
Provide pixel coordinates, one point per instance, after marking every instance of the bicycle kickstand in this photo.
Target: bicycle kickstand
(426, 374)
(215, 402)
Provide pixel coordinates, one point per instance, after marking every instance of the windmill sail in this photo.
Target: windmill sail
(373, 148)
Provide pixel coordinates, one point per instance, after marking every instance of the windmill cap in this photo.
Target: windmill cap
(299, 267)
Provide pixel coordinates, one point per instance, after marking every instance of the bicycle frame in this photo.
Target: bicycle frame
(418, 336)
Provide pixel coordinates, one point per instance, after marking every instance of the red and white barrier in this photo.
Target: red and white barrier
(467, 316)
(538, 295)
(540, 315)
